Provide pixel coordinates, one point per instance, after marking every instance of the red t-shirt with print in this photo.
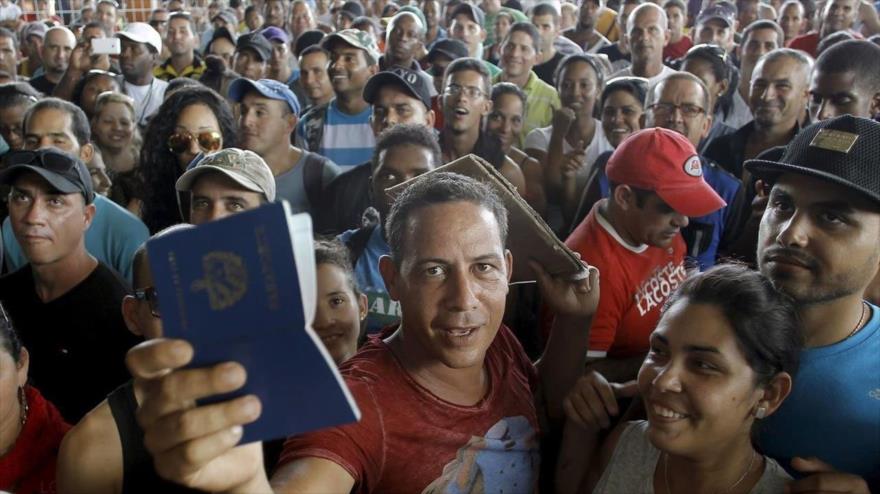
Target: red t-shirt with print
(635, 283)
(409, 440)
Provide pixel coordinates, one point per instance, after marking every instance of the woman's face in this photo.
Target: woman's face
(506, 120)
(93, 88)
(12, 376)
(339, 313)
(113, 127)
(98, 171)
(621, 116)
(578, 88)
(195, 119)
(502, 27)
(698, 389)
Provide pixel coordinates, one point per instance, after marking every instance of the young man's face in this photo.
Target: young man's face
(817, 240)
(181, 39)
(248, 63)
(518, 55)
(835, 94)
(464, 29)
(792, 20)
(136, 59)
(394, 105)
(264, 123)
(404, 40)
(548, 28)
(451, 282)
(676, 19)
(8, 56)
(48, 225)
(10, 126)
(314, 78)
(465, 101)
(588, 14)
(396, 165)
(349, 69)
(216, 196)
(716, 32)
(758, 43)
(839, 15)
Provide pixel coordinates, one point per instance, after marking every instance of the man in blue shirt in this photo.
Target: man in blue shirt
(818, 244)
(114, 234)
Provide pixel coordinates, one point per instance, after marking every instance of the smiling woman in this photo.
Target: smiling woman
(721, 359)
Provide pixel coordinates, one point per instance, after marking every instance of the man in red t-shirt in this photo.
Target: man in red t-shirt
(449, 399)
(634, 238)
(839, 15)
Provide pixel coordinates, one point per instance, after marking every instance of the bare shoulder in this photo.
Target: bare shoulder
(90, 458)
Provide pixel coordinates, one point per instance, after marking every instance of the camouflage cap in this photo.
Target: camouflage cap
(246, 168)
(356, 38)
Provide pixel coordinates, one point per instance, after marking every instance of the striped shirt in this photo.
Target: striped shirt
(347, 140)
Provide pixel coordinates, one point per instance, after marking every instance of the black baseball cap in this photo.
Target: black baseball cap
(256, 42)
(475, 13)
(410, 80)
(451, 48)
(64, 172)
(352, 10)
(844, 150)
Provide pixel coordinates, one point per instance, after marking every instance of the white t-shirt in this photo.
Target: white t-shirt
(540, 139)
(10, 12)
(627, 72)
(147, 99)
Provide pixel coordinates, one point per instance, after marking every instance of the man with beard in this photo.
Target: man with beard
(585, 34)
(57, 46)
(647, 33)
(340, 130)
(818, 245)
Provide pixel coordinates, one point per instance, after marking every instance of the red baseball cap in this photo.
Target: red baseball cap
(665, 162)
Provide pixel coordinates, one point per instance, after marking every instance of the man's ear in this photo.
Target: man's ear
(87, 152)
(487, 107)
(508, 260)
(89, 212)
(390, 275)
(707, 124)
(623, 197)
(129, 314)
(292, 119)
(430, 118)
(874, 109)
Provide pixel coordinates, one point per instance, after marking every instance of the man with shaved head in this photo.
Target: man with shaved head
(57, 46)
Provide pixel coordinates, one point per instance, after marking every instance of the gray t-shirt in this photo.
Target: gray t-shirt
(290, 185)
(634, 460)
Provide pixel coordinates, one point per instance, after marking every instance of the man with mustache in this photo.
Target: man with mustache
(818, 244)
(656, 182)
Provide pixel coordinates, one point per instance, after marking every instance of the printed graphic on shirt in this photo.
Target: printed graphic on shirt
(654, 291)
(505, 460)
(381, 310)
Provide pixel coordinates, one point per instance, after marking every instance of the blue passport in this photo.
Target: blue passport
(243, 289)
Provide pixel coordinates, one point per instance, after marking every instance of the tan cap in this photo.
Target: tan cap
(246, 168)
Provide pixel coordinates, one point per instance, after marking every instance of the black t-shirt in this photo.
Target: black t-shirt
(77, 342)
(43, 85)
(345, 200)
(547, 70)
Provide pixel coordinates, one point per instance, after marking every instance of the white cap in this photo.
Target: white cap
(141, 32)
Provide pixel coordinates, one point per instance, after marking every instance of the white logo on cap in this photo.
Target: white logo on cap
(693, 167)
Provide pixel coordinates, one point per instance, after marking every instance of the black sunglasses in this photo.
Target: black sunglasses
(51, 160)
(151, 296)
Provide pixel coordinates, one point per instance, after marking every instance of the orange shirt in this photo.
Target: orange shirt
(636, 281)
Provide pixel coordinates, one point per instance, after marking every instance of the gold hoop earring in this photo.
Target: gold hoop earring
(23, 404)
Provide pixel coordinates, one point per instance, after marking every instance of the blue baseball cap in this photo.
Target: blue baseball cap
(269, 88)
(272, 33)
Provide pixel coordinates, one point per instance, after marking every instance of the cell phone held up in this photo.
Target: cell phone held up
(105, 46)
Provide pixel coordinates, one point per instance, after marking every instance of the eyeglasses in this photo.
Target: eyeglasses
(151, 296)
(471, 91)
(208, 141)
(687, 110)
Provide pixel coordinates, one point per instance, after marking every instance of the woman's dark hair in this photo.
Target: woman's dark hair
(332, 251)
(765, 322)
(499, 89)
(636, 86)
(8, 338)
(90, 76)
(722, 70)
(588, 59)
(158, 165)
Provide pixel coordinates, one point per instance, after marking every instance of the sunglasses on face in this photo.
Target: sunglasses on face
(150, 296)
(208, 141)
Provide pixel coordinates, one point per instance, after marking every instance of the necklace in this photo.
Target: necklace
(729, 489)
(861, 320)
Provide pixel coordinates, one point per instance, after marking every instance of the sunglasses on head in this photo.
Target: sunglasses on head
(208, 141)
(51, 160)
(151, 297)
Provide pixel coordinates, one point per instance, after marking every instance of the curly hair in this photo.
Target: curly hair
(158, 165)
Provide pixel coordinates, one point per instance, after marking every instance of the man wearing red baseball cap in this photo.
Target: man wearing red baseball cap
(633, 236)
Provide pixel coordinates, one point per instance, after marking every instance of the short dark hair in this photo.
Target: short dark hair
(97, 24)
(403, 134)
(588, 59)
(499, 89)
(185, 16)
(80, 123)
(314, 49)
(9, 339)
(636, 86)
(434, 189)
(7, 33)
(641, 195)
(333, 252)
(682, 6)
(527, 28)
(474, 64)
(546, 9)
(765, 24)
(18, 93)
(833, 39)
(765, 322)
(249, 9)
(853, 56)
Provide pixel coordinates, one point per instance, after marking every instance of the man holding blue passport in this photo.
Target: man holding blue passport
(454, 386)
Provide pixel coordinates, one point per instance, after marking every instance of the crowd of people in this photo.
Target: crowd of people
(710, 162)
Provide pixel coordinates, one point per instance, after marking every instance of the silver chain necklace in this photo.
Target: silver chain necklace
(726, 491)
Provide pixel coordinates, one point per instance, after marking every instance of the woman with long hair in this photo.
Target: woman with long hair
(722, 358)
(192, 120)
(95, 82)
